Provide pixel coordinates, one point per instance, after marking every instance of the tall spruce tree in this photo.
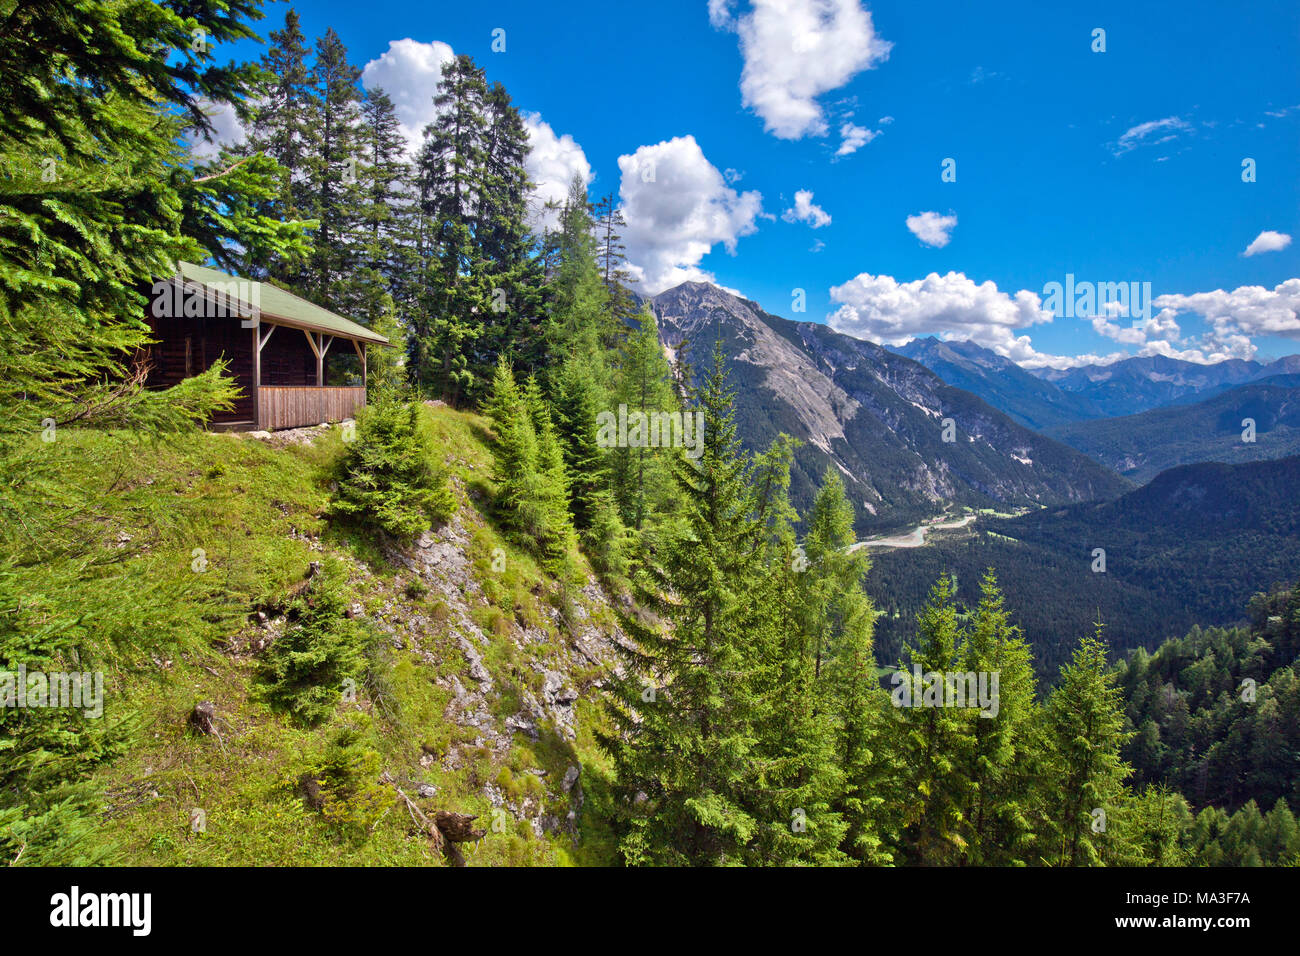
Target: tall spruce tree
(798, 777)
(335, 173)
(931, 739)
(683, 713)
(1085, 731)
(283, 128)
(532, 487)
(996, 821)
(644, 384)
(385, 214)
(839, 618)
(456, 294)
(513, 325)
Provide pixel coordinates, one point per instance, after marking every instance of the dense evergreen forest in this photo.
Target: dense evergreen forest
(750, 721)
(1215, 532)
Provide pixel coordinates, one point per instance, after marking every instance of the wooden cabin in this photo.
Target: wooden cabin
(297, 363)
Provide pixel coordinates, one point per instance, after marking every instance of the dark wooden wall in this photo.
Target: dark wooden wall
(287, 359)
(208, 340)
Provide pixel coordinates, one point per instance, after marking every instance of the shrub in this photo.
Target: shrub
(306, 667)
(389, 475)
(346, 787)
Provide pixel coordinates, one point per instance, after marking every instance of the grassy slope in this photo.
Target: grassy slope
(257, 513)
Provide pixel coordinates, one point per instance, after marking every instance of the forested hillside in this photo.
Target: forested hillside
(1248, 423)
(1180, 551)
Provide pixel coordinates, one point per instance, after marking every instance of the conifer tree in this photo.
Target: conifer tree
(930, 739)
(456, 294)
(99, 97)
(1085, 731)
(532, 491)
(335, 173)
(799, 778)
(580, 321)
(997, 818)
(612, 258)
(683, 712)
(505, 246)
(643, 382)
(839, 618)
(283, 129)
(385, 217)
(578, 401)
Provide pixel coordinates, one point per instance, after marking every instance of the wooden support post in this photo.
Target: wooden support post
(257, 377)
(259, 340)
(320, 366)
(320, 359)
(361, 354)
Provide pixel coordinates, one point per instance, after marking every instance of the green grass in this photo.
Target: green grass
(162, 617)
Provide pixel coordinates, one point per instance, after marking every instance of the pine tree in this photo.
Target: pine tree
(799, 778)
(612, 258)
(578, 401)
(532, 492)
(513, 325)
(840, 618)
(282, 128)
(683, 712)
(1085, 731)
(386, 373)
(385, 218)
(931, 739)
(552, 480)
(996, 819)
(580, 321)
(456, 294)
(643, 382)
(335, 173)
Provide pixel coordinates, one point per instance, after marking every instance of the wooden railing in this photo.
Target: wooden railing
(283, 406)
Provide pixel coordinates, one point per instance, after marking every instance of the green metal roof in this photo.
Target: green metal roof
(278, 306)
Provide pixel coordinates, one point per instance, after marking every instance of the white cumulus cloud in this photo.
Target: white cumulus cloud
(932, 228)
(805, 210)
(552, 164)
(882, 309)
(796, 50)
(409, 72)
(678, 206)
(1268, 241)
(854, 137)
(1244, 312)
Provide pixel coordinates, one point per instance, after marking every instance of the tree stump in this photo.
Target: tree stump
(203, 718)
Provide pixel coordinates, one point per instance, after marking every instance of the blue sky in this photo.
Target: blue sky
(1115, 166)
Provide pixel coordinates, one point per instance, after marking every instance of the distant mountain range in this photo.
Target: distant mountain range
(1047, 398)
(1181, 550)
(875, 415)
(1030, 400)
(1143, 445)
(1137, 385)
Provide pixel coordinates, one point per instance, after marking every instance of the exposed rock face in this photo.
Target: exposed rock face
(556, 656)
(876, 416)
